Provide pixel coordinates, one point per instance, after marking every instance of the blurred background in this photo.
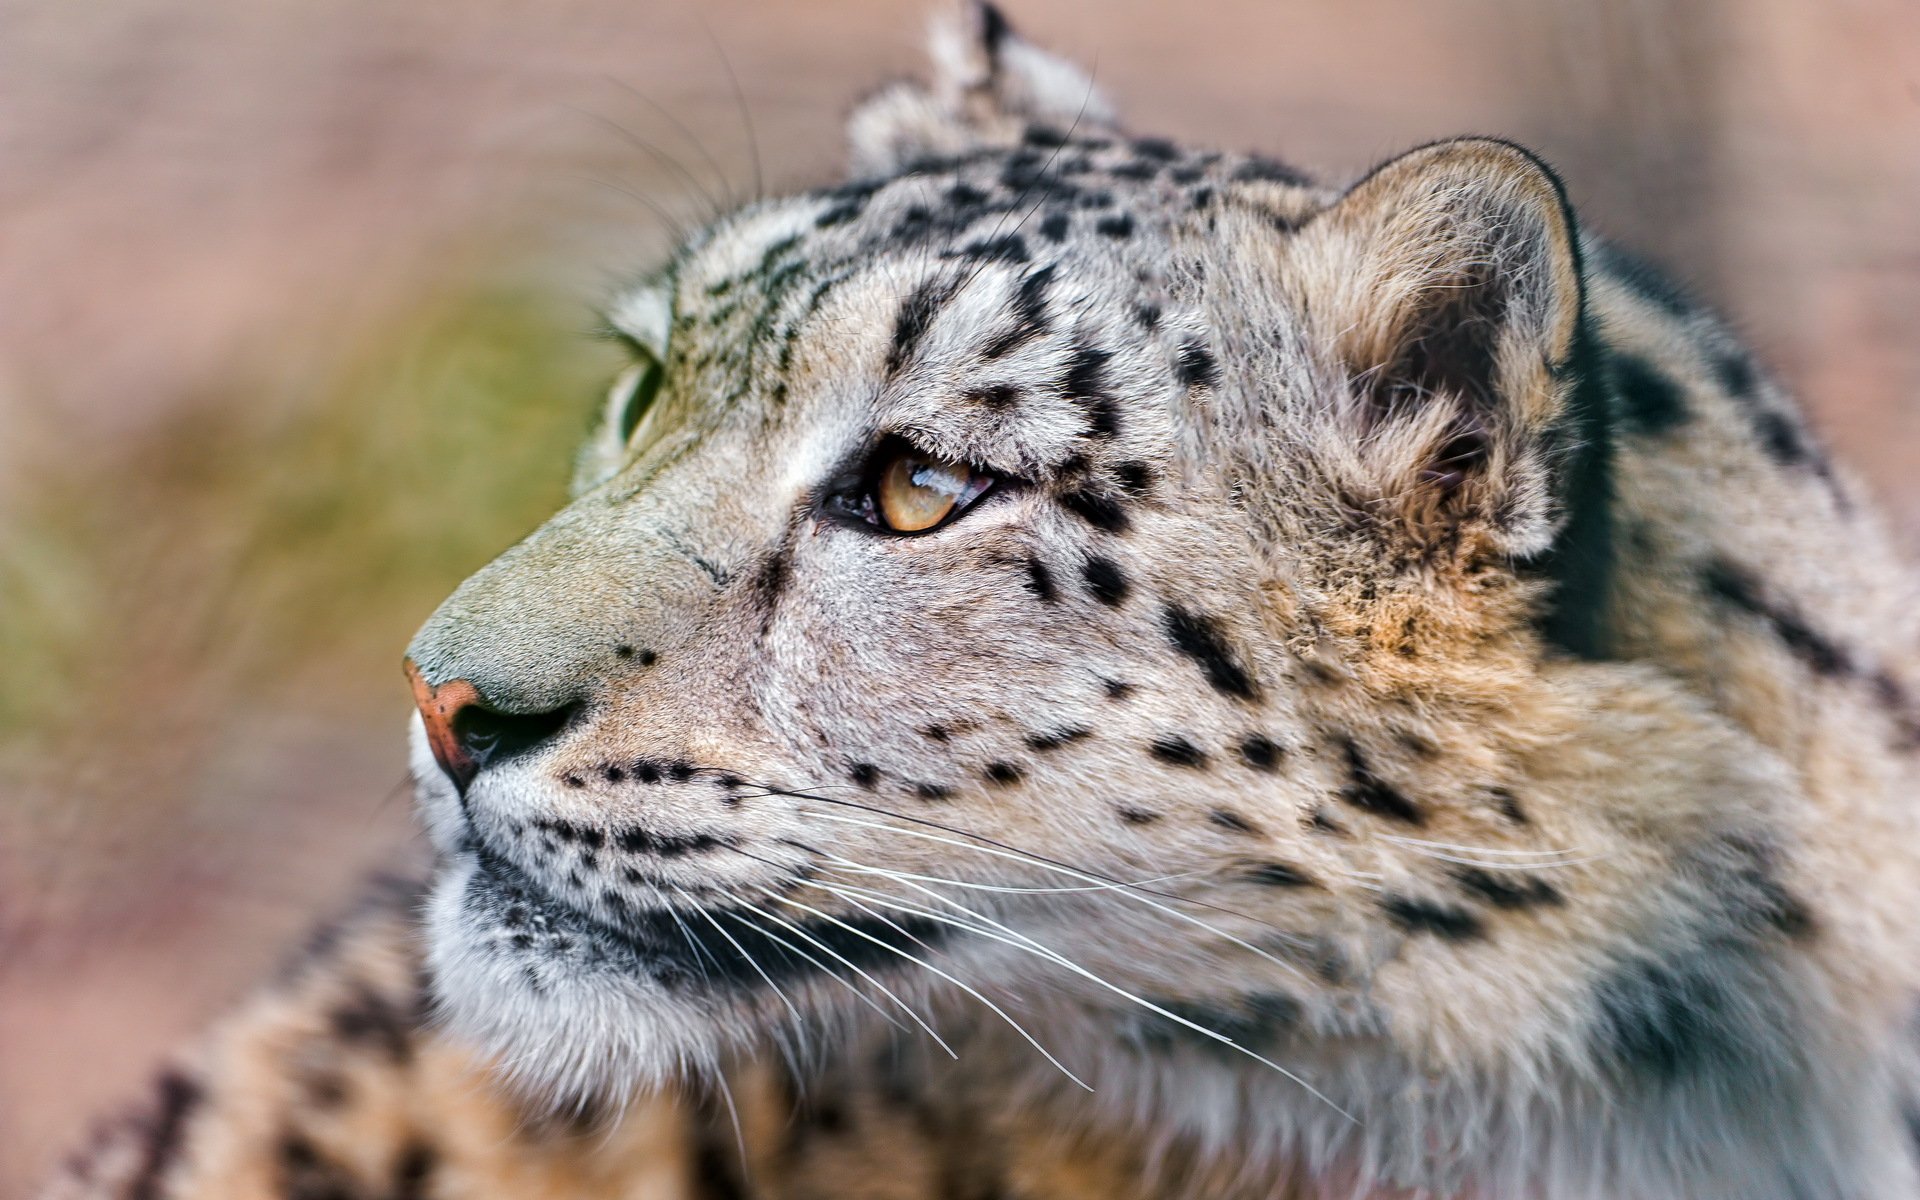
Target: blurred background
(296, 303)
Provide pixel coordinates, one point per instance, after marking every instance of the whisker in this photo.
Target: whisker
(965, 987)
(1489, 850)
(742, 915)
(1504, 866)
(1026, 856)
(799, 1025)
(699, 147)
(985, 887)
(746, 113)
(1127, 893)
(1032, 946)
(658, 155)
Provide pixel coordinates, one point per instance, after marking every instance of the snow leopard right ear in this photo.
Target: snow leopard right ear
(990, 87)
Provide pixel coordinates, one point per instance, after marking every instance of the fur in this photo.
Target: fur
(1414, 714)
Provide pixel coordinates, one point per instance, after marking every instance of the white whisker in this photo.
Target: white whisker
(742, 915)
(888, 992)
(963, 986)
(1127, 894)
(1023, 942)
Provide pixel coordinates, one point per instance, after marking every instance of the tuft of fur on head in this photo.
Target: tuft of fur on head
(989, 85)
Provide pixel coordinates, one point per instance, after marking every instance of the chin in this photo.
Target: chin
(573, 1016)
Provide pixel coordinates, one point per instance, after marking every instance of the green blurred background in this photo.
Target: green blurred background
(296, 304)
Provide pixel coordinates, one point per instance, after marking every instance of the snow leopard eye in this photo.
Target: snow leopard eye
(907, 490)
(634, 393)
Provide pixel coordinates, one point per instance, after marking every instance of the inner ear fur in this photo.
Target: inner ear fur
(1447, 284)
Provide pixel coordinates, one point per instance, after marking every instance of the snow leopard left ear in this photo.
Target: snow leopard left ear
(990, 86)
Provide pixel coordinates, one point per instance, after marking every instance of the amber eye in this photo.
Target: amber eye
(907, 490)
(915, 493)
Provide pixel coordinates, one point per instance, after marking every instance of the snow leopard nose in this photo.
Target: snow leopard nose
(465, 732)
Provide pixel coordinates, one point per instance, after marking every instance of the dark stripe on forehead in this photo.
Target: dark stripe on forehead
(1029, 314)
(916, 317)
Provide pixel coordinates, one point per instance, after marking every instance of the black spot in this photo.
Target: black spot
(1508, 889)
(623, 651)
(1369, 793)
(997, 395)
(916, 317)
(1135, 478)
(1425, 916)
(768, 583)
(1736, 374)
(164, 1132)
(1508, 805)
(1651, 402)
(1668, 1018)
(863, 773)
(1137, 171)
(1119, 225)
(931, 791)
(1201, 197)
(1741, 590)
(1096, 199)
(1043, 135)
(1137, 816)
(1781, 438)
(1040, 580)
(1054, 226)
(1268, 171)
(1029, 314)
(993, 31)
(1172, 748)
(613, 774)
(1156, 148)
(1085, 384)
(1260, 752)
(1107, 583)
(1008, 247)
(1004, 773)
(1280, 875)
(1185, 176)
(1053, 739)
(1116, 689)
(1321, 821)
(1231, 821)
(1096, 508)
(680, 772)
(573, 781)
(1195, 366)
(965, 194)
(938, 733)
(646, 771)
(1148, 315)
(366, 1017)
(839, 214)
(305, 1174)
(1196, 636)
(641, 841)
(411, 1169)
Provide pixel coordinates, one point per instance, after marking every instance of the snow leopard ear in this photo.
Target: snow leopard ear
(1447, 283)
(989, 87)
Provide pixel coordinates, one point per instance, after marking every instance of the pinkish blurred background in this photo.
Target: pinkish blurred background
(293, 302)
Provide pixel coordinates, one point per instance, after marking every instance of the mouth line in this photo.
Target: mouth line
(735, 947)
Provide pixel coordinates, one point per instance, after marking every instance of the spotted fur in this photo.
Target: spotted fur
(1417, 714)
